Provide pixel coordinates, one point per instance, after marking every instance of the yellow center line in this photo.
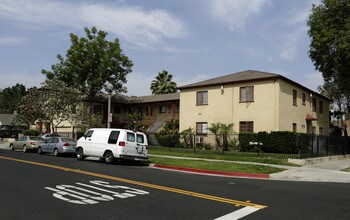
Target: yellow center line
(149, 185)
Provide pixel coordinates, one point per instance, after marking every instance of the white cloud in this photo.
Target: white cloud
(236, 13)
(139, 27)
(8, 41)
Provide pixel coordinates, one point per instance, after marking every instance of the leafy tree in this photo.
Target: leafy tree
(163, 84)
(92, 64)
(171, 127)
(58, 102)
(215, 129)
(329, 29)
(10, 98)
(30, 108)
(135, 120)
(53, 103)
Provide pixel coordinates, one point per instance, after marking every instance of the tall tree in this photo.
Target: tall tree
(29, 109)
(10, 98)
(329, 29)
(163, 84)
(58, 102)
(92, 63)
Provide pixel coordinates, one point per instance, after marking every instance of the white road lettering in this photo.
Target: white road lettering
(83, 196)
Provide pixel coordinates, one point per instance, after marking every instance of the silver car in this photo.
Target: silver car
(57, 146)
(26, 143)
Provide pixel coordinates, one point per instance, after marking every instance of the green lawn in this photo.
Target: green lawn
(346, 169)
(211, 154)
(219, 166)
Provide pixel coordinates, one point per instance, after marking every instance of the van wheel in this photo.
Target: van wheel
(80, 153)
(25, 149)
(39, 150)
(108, 157)
(11, 147)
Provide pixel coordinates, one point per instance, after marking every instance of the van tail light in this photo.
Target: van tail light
(32, 143)
(65, 144)
(122, 143)
(146, 146)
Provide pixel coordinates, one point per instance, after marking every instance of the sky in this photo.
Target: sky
(193, 40)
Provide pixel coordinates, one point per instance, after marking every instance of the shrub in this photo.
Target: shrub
(31, 132)
(171, 140)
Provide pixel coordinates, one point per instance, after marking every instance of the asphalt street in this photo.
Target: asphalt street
(36, 186)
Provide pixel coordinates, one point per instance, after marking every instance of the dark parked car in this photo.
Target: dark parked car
(57, 146)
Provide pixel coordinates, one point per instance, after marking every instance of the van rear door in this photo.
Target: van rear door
(130, 145)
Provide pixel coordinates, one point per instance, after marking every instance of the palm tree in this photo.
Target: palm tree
(215, 129)
(163, 84)
(225, 130)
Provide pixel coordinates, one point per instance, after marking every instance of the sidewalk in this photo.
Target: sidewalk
(321, 172)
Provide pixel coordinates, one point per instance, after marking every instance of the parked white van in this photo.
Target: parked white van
(111, 143)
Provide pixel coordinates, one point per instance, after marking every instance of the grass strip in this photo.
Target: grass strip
(218, 166)
(218, 155)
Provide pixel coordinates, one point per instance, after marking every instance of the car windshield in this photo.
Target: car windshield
(68, 140)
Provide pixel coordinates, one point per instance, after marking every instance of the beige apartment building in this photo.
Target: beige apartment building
(157, 109)
(253, 101)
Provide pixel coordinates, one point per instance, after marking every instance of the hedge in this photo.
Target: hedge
(275, 142)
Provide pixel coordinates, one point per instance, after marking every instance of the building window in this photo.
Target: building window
(246, 94)
(162, 109)
(202, 98)
(246, 126)
(202, 128)
(303, 99)
(97, 109)
(294, 127)
(321, 131)
(314, 107)
(321, 107)
(295, 95)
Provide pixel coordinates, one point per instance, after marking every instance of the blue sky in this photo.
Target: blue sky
(193, 40)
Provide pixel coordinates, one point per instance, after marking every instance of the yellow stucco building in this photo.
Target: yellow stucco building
(253, 101)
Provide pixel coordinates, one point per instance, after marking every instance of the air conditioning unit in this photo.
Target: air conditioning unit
(199, 140)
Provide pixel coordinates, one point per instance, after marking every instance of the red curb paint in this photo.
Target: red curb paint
(224, 173)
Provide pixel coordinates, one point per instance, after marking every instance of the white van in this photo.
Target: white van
(110, 143)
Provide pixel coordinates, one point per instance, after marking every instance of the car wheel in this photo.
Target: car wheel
(11, 147)
(56, 152)
(80, 154)
(40, 151)
(25, 149)
(109, 157)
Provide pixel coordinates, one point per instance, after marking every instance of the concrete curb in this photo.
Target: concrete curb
(212, 172)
